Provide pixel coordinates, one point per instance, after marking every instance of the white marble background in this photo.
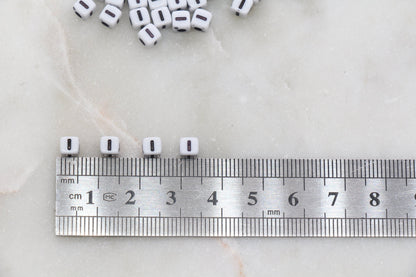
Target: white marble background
(297, 78)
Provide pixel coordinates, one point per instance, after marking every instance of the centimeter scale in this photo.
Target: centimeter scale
(162, 197)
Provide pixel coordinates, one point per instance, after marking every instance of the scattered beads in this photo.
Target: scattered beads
(149, 15)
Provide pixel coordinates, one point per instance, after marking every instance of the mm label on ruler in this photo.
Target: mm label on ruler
(157, 197)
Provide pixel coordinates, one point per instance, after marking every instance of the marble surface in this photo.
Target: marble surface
(297, 78)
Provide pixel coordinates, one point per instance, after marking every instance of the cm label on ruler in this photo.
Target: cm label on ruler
(235, 189)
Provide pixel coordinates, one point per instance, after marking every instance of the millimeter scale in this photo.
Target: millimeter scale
(202, 197)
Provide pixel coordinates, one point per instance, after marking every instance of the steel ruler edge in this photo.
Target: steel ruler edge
(204, 197)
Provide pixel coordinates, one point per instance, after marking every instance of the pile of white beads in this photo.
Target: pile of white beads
(151, 15)
(110, 146)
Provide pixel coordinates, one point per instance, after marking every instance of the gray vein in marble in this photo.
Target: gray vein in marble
(72, 89)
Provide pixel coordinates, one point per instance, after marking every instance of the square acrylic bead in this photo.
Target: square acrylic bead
(139, 18)
(154, 4)
(161, 17)
(135, 4)
(181, 21)
(152, 146)
(110, 16)
(110, 145)
(175, 5)
(84, 8)
(242, 7)
(149, 35)
(118, 3)
(189, 146)
(201, 20)
(196, 4)
(69, 146)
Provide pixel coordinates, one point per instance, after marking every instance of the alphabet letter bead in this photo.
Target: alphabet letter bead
(84, 8)
(152, 146)
(135, 4)
(161, 17)
(181, 21)
(69, 146)
(201, 20)
(195, 4)
(110, 145)
(118, 3)
(175, 5)
(189, 146)
(110, 16)
(242, 7)
(149, 35)
(139, 17)
(154, 4)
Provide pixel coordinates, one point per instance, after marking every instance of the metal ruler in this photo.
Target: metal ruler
(161, 197)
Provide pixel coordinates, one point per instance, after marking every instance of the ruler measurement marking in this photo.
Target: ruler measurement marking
(73, 167)
(304, 184)
(78, 168)
(405, 170)
(265, 177)
(117, 173)
(407, 224)
(201, 170)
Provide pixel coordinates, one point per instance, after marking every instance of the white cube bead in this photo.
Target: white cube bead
(139, 17)
(201, 20)
(152, 146)
(110, 145)
(154, 4)
(195, 4)
(69, 146)
(181, 21)
(118, 3)
(189, 146)
(110, 16)
(175, 5)
(84, 8)
(161, 17)
(242, 7)
(135, 4)
(149, 35)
